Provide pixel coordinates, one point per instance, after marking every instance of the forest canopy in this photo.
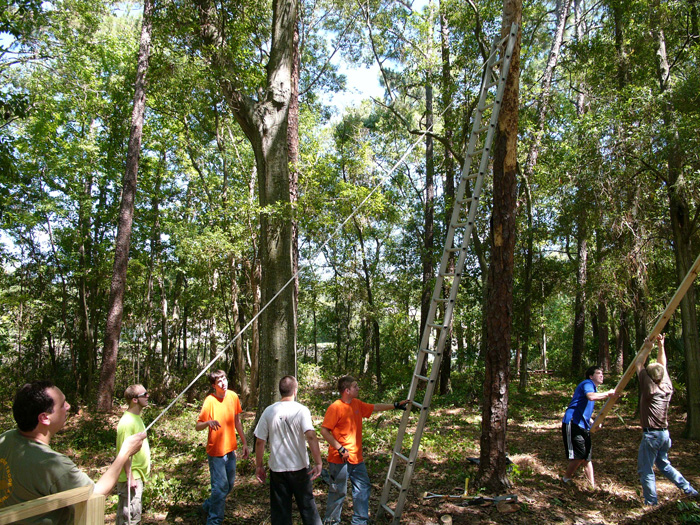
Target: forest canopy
(607, 192)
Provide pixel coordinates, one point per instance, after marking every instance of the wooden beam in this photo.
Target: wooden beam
(648, 343)
(45, 504)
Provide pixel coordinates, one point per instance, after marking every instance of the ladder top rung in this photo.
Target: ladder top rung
(432, 352)
(436, 325)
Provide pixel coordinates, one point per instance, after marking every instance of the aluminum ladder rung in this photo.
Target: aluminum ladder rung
(482, 129)
(396, 483)
(388, 509)
(418, 405)
(401, 456)
(478, 152)
(491, 77)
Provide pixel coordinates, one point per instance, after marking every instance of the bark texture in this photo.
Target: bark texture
(499, 308)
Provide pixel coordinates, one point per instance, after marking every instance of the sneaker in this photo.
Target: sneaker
(566, 481)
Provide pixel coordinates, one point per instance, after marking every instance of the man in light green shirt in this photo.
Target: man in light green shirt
(136, 471)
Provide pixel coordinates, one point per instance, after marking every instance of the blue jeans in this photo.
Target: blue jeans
(653, 450)
(222, 473)
(339, 474)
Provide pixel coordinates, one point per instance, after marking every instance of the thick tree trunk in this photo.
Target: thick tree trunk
(115, 308)
(265, 124)
(499, 313)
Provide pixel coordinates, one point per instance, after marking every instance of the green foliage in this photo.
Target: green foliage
(690, 511)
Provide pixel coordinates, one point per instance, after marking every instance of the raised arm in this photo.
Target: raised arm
(661, 356)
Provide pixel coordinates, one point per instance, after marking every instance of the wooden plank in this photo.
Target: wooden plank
(648, 343)
(45, 504)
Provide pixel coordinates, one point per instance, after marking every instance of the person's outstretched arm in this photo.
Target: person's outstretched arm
(131, 446)
(382, 407)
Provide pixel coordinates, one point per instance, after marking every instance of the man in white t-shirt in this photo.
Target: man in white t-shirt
(287, 426)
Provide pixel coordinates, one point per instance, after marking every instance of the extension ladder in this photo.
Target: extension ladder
(436, 330)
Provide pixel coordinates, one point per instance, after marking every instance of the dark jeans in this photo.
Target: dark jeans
(284, 485)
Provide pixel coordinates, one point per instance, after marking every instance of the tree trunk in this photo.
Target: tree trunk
(428, 222)
(579, 335)
(447, 89)
(603, 335)
(265, 124)
(115, 307)
(293, 152)
(524, 345)
(492, 466)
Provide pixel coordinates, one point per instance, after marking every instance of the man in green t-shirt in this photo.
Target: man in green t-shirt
(30, 468)
(136, 471)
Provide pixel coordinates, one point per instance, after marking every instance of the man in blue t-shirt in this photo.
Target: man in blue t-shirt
(576, 425)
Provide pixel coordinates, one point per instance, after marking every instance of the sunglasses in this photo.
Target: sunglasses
(145, 394)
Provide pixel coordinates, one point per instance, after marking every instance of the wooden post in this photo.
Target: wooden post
(648, 343)
(91, 512)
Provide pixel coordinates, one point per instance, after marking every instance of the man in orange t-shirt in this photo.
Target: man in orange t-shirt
(342, 428)
(221, 415)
